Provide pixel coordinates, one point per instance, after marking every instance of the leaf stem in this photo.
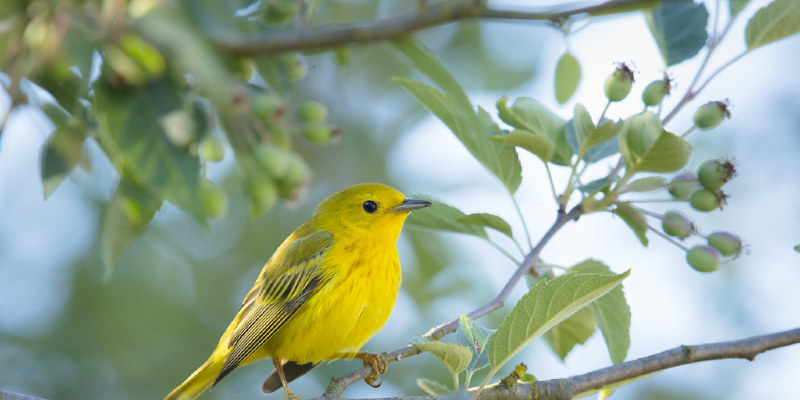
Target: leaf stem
(656, 231)
(503, 252)
(524, 224)
(603, 114)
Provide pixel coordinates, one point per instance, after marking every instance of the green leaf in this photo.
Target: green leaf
(540, 145)
(602, 150)
(634, 219)
(736, 6)
(455, 357)
(645, 184)
(797, 248)
(62, 151)
(544, 306)
(778, 20)
(530, 115)
(454, 109)
(574, 330)
(646, 146)
(443, 217)
(432, 387)
(474, 336)
(137, 129)
(612, 313)
(567, 77)
(591, 143)
(490, 221)
(582, 127)
(679, 29)
(130, 210)
(596, 185)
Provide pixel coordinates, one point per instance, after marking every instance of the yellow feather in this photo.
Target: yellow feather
(327, 289)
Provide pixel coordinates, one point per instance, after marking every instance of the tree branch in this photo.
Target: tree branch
(303, 38)
(339, 384)
(562, 389)
(6, 395)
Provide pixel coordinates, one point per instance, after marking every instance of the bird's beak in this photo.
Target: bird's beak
(410, 205)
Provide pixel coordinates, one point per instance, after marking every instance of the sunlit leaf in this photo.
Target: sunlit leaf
(679, 29)
(646, 146)
(544, 306)
(530, 115)
(455, 357)
(668, 154)
(634, 219)
(538, 144)
(778, 20)
(489, 221)
(443, 217)
(567, 77)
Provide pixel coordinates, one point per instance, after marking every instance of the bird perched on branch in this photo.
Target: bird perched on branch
(325, 291)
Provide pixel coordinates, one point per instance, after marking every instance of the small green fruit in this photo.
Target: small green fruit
(712, 174)
(211, 149)
(688, 184)
(711, 114)
(705, 200)
(269, 107)
(317, 133)
(619, 83)
(655, 91)
(294, 64)
(273, 159)
(280, 136)
(144, 54)
(727, 243)
(263, 196)
(677, 225)
(312, 111)
(703, 258)
(212, 198)
(296, 178)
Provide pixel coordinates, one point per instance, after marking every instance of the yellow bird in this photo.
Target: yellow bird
(325, 291)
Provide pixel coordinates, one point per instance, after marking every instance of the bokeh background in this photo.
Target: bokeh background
(68, 333)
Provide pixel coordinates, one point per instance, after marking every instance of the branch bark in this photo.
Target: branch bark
(332, 36)
(6, 395)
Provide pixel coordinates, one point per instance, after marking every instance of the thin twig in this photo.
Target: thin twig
(398, 27)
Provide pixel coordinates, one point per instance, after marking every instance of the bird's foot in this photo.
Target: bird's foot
(378, 364)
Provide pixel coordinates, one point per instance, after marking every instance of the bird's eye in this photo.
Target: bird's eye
(369, 206)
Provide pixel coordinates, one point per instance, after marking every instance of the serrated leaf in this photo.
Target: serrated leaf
(474, 336)
(778, 20)
(634, 219)
(529, 115)
(567, 77)
(574, 330)
(134, 126)
(668, 154)
(611, 312)
(538, 144)
(736, 6)
(596, 185)
(455, 357)
(544, 306)
(432, 387)
(646, 146)
(130, 210)
(679, 29)
(443, 217)
(489, 221)
(454, 109)
(645, 184)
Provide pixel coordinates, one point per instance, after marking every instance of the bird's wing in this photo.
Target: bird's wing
(290, 278)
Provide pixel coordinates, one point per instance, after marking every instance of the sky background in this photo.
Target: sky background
(49, 254)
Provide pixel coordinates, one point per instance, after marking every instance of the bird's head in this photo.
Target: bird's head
(371, 207)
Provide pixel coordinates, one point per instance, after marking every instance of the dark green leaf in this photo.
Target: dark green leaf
(567, 77)
(572, 331)
(735, 6)
(490, 221)
(530, 115)
(612, 313)
(679, 28)
(778, 20)
(130, 210)
(443, 217)
(138, 128)
(62, 151)
(453, 108)
(634, 219)
(540, 145)
(474, 336)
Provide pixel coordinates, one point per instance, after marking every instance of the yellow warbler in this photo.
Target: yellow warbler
(324, 292)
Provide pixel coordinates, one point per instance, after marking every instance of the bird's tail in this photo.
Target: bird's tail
(198, 382)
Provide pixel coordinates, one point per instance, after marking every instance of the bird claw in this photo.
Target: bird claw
(378, 363)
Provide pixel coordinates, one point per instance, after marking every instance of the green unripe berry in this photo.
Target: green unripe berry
(688, 184)
(296, 178)
(294, 65)
(273, 159)
(269, 107)
(242, 68)
(655, 91)
(212, 199)
(280, 136)
(263, 195)
(711, 114)
(619, 83)
(703, 258)
(317, 133)
(144, 54)
(211, 149)
(712, 174)
(726, 243)
(676, 224)
(704, 200)
(312, 111)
